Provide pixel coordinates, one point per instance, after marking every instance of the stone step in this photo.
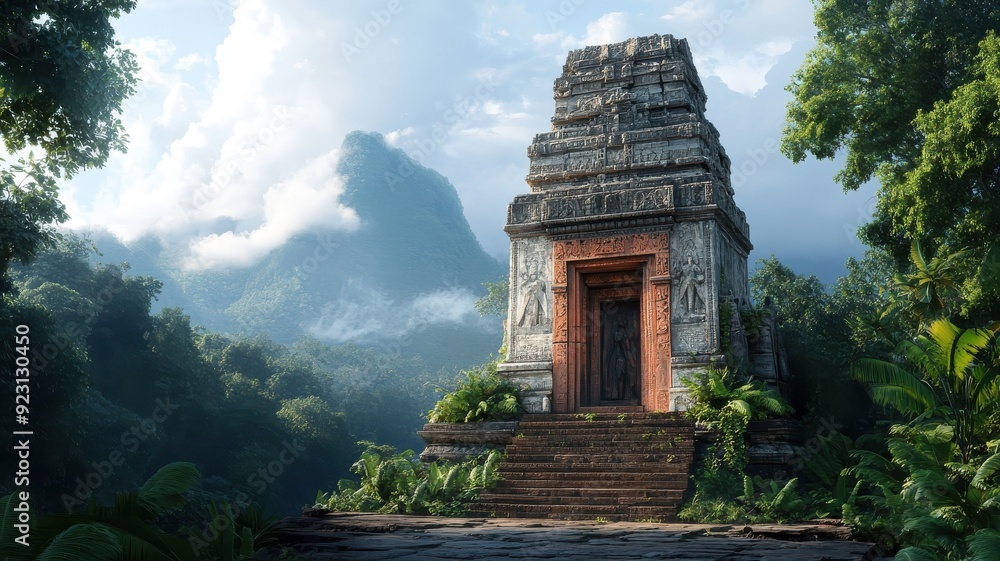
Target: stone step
(498, 498)
(553, 421)
(595, 467)
(583, 512)
(546, 481)
(534, 447)
(675, 417)
(576, 456)
(588, 493)
(598, 439)
(629, 466)
(573, 428)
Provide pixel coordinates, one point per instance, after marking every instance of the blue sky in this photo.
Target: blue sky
(235, 129)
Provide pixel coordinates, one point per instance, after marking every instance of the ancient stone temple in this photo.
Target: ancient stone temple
(628, 237)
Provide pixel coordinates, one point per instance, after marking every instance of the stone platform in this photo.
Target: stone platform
(353, 536)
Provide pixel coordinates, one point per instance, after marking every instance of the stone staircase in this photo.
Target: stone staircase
(629, 466)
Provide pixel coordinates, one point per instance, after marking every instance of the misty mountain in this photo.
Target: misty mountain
(404, 282)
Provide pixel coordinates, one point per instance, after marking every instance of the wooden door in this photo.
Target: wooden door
(613, 373)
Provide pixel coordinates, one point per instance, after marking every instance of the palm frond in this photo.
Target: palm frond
(961, 345)
(986, 471)
(917, 257)
(786, 492)
(984, 545)
(989, 272)
(164, 489)
(94, 542)
(917, 554)
(930, 529)
(741, 407)
(910, 396)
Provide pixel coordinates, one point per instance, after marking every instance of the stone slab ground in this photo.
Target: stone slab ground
(353, 536)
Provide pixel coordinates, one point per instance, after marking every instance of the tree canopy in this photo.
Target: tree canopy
(63, 79)
(908, 90)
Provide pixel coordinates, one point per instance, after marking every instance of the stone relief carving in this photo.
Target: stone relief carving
(530, 320)
(536, 301)
(689, 273)
(662, 295)
(691, 287)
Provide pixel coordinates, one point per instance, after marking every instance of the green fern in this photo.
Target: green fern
(481, 395)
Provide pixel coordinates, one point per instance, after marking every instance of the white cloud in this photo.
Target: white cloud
(746, 72)
(187, 62)
(364, 313)
(305, 201)
(542, 39)
(393, 137)
(690, 10)
(609, 28)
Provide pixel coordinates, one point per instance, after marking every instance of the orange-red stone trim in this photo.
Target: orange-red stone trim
(576, 260)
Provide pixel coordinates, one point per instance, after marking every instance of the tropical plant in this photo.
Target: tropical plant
(400, 483)
(125, 530)
(956, 381)
(942, 480)
(239, 536)
(725, 402)
(772, 500)
(714, 498)
(946, 509)
(481, 395)
(926, 291)
(721, 497)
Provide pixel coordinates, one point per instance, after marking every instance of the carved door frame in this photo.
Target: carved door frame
(647, 254)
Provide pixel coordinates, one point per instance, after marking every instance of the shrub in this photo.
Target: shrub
(482, 395)
(725, 402)
(398, 483)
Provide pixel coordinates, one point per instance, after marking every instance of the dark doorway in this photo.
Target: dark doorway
(614, 340)
(620, 354)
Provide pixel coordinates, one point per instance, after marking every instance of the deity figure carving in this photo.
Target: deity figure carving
(692, 281)
(621, 362)
(536, 297)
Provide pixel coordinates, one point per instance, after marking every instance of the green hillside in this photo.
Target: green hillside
(403, 282)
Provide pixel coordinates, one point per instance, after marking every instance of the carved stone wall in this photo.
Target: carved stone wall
(695, 290)
(631, 176)
(530, 316)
